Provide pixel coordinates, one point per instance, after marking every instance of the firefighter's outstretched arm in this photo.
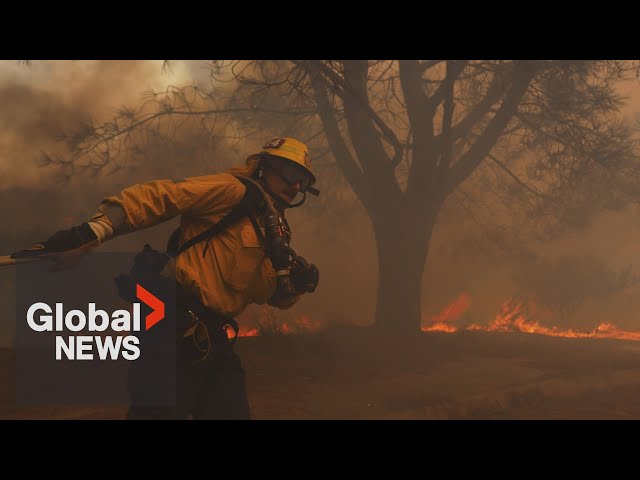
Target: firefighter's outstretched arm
(147, 204)
(135, 208)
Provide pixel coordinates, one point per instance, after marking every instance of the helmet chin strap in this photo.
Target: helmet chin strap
(302, 200)
(277, 198)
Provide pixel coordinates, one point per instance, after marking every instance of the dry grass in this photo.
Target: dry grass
(357, 374)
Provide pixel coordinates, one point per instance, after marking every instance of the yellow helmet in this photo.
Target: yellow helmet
(291, 149)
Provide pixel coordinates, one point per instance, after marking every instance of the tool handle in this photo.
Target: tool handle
(6, 260)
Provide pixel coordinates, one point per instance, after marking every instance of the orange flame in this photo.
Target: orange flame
(513, 317)
(266, 324)
(302, 324)
(249, 333)
(440, 327)
(442, 321)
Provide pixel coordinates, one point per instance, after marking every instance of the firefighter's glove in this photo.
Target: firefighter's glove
(66, 247)
(304, 275)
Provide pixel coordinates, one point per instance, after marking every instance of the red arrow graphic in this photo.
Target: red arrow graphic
(154, 302)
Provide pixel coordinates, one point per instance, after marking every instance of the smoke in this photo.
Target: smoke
(42, 103)
(49, 99)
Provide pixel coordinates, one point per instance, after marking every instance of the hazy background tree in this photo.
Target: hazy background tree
(545, 137)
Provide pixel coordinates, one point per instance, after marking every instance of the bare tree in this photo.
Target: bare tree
(408, 134)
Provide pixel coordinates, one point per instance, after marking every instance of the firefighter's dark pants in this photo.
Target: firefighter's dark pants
(208, 385)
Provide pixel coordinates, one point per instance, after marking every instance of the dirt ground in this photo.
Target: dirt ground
(356, 374)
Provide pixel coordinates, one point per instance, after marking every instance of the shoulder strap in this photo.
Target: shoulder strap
(246, 207)
(237, 212)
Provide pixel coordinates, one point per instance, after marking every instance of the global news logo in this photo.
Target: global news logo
(41, 317)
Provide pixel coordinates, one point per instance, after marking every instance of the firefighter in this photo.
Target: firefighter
(217, 278)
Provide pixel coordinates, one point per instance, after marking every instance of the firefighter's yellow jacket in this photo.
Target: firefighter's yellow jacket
(235, 271)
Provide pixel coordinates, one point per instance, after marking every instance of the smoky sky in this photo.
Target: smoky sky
(43, 101)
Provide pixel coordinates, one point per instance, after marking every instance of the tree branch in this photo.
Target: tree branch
(344, 89)
(421, 125)
(118, 132)
(364, 136)
(447, 117)
(427, 65)
(343, 157)
(522, 76)
(415, 98)
(454, 69)
(524, 185)
(493, 94)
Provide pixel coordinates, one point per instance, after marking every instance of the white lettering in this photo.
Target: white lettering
(68, 320)
(68, 349)
(83, 344)
(46, 320)
(136, 317)
(106, 345)
(93, 313)
(121, 321)
(40, 318)
(131, 343)
(59, 317)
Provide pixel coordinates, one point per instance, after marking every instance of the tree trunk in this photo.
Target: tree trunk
(402, 245)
